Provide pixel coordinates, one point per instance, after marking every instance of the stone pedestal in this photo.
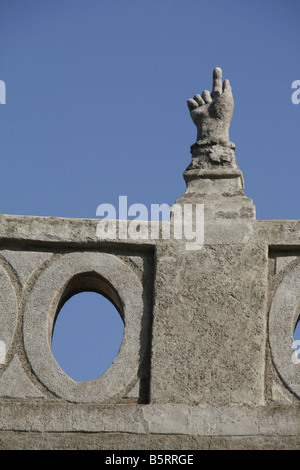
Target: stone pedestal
(214, 179)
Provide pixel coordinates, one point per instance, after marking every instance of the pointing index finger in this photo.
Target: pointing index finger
(217, 82)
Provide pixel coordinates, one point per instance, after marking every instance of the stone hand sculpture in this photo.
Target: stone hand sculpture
(213, 171)
(212, 113)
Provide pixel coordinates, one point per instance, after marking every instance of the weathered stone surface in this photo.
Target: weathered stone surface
(23, 264)
(213, 176)
(8, 308)
(212, 113)
(209, 323)
(11, 440)
(69, 274)
(207, 359)
(40, 416)
(14, 383)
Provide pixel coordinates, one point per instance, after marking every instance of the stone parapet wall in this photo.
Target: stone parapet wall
(207, 358)
(206, 344)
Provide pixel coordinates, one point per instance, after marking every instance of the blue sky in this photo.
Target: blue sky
(96, 100)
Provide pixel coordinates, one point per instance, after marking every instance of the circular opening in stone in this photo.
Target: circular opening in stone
(87, 336)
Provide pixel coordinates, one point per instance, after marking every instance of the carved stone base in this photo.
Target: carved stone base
(214, 179)
(220, 181)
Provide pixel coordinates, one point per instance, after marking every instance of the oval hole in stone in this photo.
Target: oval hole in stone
(87, 336)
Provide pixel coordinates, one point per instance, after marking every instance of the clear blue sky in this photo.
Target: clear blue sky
(96, 100)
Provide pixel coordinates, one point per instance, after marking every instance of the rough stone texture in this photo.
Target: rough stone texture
(213, 177)
(207, 359)
(106, 441)
(212, 113)
(14, 382)
(213, 310)
(67, 275)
